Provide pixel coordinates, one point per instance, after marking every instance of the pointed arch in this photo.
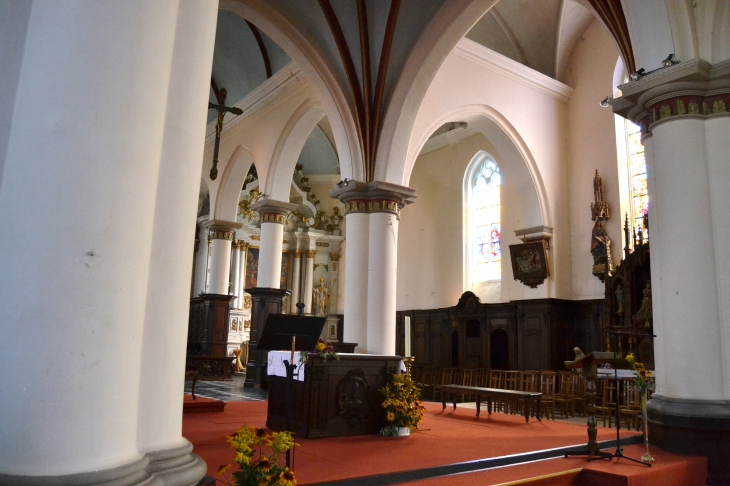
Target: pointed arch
(289, 146)
(308, 56)
(229, 189)
(505, 137)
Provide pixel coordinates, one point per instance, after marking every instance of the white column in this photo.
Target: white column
(235, 272)
(355, 329)
(201, 259)
(371, 212)
(296, 278)
(381, 283)
(272, 236)
(308, 281)
(683, 276)
(242, 275)
(96, 144)
(273, 216)
(717, 133)
(335, 281)
(159, 428)
(220, 259)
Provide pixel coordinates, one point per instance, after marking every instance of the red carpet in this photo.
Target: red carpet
(667, 470)
(446, 437)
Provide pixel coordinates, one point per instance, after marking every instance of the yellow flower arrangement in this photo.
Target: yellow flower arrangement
(642, 376)
(256, 467)
(402, 404)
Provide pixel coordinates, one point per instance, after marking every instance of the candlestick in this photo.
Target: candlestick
(409, 363)
(408, 336)
(293, 346)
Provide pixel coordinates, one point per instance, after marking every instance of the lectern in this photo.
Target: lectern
(589, 364)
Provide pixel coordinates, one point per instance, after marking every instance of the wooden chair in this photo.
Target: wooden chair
(530, 382)
(496, 379)
(512, 381)
(447, 377)
(480, 377)
(630, 406)
(607, 407)
(467, 379)
(547, 388)
(427, 381)
(564, 396)
(579, 388)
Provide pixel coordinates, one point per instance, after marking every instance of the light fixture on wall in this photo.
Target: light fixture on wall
(606, 101)
(668, 62)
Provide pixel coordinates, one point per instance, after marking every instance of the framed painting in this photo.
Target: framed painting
(252, 267)
(286, 264)
(529, 262)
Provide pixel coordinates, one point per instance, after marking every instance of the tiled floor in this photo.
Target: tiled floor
(227, 390)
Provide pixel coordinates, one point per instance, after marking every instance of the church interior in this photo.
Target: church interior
(464, 191)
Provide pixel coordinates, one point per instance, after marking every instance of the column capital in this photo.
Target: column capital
(311, 253)
(373, 197)
(223, 230)
(273, 211)
(692, 89)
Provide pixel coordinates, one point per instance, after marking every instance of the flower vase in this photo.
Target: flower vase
(403, 431)
(646, 457)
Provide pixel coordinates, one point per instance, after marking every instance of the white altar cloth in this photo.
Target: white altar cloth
(276, 366)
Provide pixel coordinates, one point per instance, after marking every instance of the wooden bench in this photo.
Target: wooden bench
(489, 394)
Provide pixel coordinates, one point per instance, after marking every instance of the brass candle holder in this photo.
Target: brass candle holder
(409, 362)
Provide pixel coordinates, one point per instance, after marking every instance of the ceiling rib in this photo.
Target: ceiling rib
(362, 20)
(349, 66)
(262, 47)
(612, 15)
(380, 83)
(510, 36)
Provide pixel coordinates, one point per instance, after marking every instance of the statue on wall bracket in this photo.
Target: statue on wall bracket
(600, 242)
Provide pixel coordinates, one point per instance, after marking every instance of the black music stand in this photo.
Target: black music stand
(295, 332)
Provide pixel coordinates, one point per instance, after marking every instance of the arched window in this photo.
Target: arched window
(631, 166)
(483, 230)
(637, 178)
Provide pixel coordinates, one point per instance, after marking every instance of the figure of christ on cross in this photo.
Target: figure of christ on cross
(222, 109)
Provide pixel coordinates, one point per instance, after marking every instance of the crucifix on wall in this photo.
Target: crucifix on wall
(222, 109)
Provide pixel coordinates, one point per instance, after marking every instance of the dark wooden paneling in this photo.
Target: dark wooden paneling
(541, 333)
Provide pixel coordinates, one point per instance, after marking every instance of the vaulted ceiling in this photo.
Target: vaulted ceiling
(539, 34)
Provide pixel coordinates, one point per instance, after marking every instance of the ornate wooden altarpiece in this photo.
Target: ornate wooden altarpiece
(628, 301)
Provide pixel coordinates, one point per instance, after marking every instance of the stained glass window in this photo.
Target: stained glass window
(485, 222)
(637, 177)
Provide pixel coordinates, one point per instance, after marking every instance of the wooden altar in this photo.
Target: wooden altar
(336, 398)
(628, 302)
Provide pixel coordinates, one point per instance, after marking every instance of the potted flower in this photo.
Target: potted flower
(402, 404)
(323, 350)
(642, 379)
(256, 466)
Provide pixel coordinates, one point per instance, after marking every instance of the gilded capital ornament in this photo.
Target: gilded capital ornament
(335, 257)
(297, 253)
(311, 253)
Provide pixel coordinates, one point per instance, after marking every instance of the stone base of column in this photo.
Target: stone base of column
(696, 427)
(170, 467)
(264, 301)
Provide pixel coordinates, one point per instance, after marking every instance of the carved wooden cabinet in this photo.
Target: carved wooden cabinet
(336, 398)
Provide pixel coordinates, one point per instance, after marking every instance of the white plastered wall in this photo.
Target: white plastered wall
(537, 117)
(592, 146)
